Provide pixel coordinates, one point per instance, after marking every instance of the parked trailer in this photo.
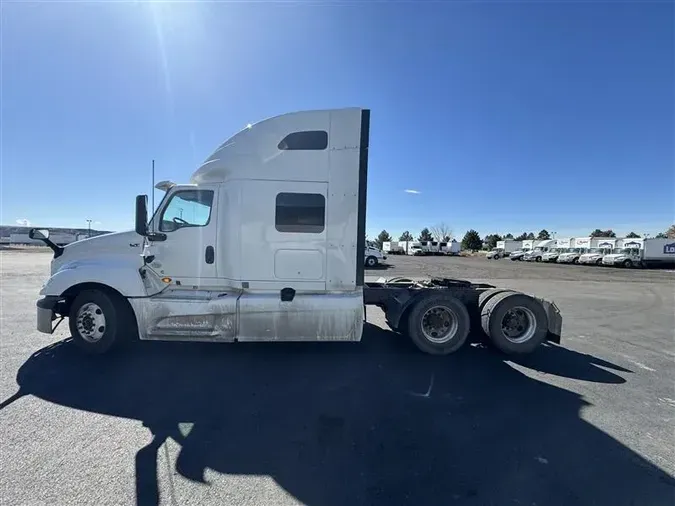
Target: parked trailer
(450, 248)
(650, 252)
(393, 247)
(305, 282)
(504, 248)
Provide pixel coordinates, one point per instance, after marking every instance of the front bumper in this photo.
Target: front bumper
(46, 313)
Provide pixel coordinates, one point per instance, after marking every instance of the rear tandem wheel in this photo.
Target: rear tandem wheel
(515, 322)
(439, 324)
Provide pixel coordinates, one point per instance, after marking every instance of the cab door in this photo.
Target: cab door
(187, 224)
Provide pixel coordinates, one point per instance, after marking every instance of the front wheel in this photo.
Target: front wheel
(439, 325)
(371, 262)
(627, 264)
(98, 321)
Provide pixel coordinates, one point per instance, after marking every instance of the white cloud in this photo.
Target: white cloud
(23, 222)
(416, 192)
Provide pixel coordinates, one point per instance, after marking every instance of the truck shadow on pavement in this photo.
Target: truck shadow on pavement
(371, 423)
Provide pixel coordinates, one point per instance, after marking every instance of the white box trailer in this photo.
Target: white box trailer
(642, 252)
(504, 248)
(393, 247)
(450, 248)
(198, 271)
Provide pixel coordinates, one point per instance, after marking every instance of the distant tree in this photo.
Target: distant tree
(441, 231)
(447, 238)
(472, 241)
(490, 240)
(382, 237)
(603, 233)
(670, 233)
(522, 237)
(508, 236)
(632, 235)
(661, 235)
(543, 235)
(425, 235)
(406, 236)
(530, 236)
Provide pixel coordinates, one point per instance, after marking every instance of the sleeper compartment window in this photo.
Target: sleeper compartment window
(314, 140)
(300, 213)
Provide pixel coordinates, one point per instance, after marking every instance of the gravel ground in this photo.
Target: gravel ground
(372, 423)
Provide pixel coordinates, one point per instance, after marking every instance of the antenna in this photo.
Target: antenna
(153, 186)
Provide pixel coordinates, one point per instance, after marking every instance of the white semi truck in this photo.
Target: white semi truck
(504, 248)
(641, 252)
(266, 243)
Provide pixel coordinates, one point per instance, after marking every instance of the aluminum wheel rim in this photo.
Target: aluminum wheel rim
(90, 322)
(439, 324)
(519, 324)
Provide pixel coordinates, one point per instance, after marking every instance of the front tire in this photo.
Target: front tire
(439, 325)
(627, 264)
(371, 262)
(98, 321)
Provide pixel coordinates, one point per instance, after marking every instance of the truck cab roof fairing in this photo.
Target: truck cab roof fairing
(254, 152)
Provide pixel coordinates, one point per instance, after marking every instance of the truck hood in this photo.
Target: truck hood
(591, 255)
(127, 243)
(614, 256)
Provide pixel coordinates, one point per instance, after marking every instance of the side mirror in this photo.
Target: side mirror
(142, 215)
(38, 233)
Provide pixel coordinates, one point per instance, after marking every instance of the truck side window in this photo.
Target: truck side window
(187, 208)
(315, 140)
(300, 213)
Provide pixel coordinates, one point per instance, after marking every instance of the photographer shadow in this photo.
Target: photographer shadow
(370, 423)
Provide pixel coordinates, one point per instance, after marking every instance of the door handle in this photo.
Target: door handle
(209, 255)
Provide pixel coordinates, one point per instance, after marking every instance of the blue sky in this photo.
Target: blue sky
(504, 116)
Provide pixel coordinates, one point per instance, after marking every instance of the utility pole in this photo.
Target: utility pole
(89, 228)
(153, 187)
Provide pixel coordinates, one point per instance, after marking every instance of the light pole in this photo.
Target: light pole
(88, 228)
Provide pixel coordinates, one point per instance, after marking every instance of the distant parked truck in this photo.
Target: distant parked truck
(599, 248)
(651, 252)
(504, 249)
(580, 245)
(526, 247)
(415, 248)
(450, 248)
(394, 247)
(561, 246)
(542, 247)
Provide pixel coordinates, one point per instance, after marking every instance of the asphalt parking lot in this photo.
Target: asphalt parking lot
(372, 423)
